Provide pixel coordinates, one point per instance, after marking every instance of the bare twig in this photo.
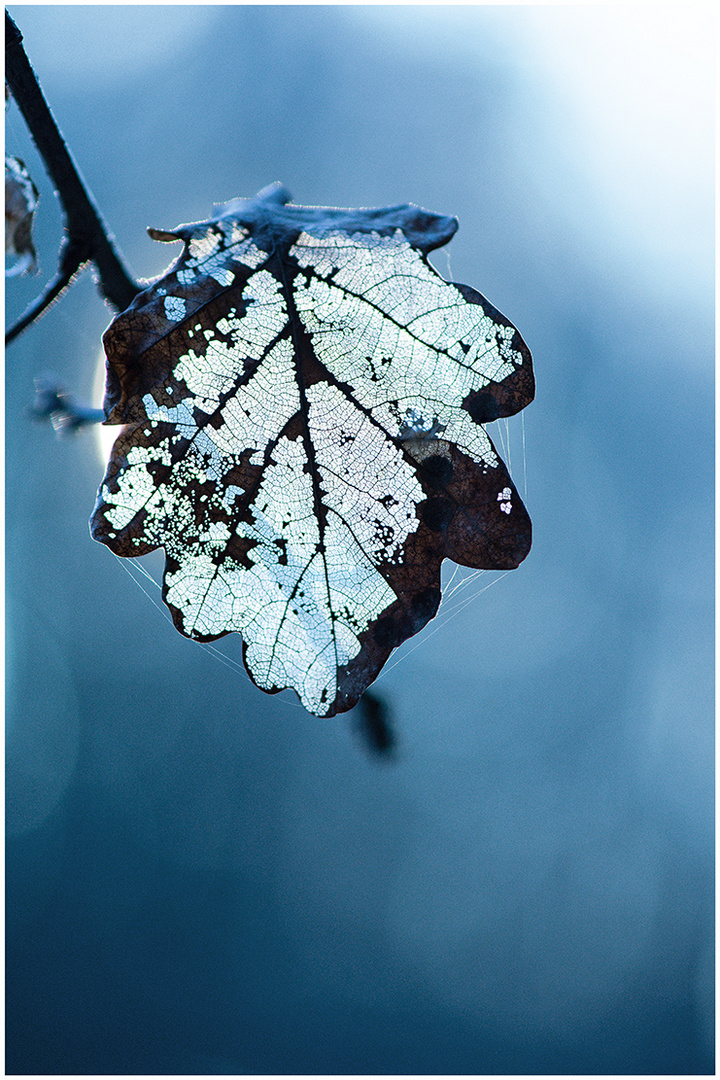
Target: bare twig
(54, 403)
(88, 238)
(70, 262)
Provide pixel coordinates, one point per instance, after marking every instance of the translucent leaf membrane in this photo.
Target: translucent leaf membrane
(303, 400)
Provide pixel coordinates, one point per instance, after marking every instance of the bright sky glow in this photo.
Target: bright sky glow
(612, 122)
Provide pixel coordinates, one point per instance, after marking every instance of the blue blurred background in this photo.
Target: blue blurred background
(205, 879)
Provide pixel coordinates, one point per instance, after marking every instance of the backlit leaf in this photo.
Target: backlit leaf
(303, 398)
(21, 197)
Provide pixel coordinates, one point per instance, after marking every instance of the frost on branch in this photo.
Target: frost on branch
(303, 399)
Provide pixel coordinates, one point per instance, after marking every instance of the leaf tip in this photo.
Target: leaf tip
(163, 236)
(274, 193)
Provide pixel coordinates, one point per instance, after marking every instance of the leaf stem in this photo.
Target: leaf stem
(88, 238)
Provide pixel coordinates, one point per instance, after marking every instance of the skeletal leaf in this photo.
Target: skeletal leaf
(21, 198)
(303, 398)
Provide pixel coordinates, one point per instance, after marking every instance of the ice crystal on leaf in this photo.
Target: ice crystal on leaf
(303, 399)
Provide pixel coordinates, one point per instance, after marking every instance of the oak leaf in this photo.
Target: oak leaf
(21, 198)
(303, 398)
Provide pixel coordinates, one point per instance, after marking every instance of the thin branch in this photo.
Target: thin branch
(88, 238)
(54, 403)
(70, 263)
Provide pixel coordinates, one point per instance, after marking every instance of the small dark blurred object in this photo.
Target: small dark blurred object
(372, 720)
(54, 403)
